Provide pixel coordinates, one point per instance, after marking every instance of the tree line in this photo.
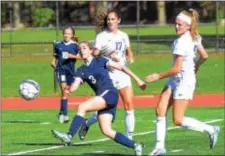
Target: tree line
(44, 13)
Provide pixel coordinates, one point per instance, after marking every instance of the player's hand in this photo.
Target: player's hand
(141, 84)
(152, 77)
(65, 55)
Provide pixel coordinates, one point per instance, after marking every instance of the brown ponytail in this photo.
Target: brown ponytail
(193, 14)
(100, 19)
(74, 38)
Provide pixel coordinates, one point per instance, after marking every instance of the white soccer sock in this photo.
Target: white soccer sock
(160, 131)
(193, 124)
(92, 119)
(130, 123)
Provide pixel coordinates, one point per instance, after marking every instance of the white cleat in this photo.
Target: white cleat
(63, 118)
(63, 137)
(138, 148)
(158, 151)
(213, 137)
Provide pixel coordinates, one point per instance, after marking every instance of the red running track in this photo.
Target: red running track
(203, 100)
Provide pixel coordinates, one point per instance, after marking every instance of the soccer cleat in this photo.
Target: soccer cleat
(213, 137)
(138, 148)
(83, 131)
(63, 118)
(65, 138)
(158, 151)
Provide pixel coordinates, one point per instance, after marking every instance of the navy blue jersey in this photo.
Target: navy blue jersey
(67, 65)
(96, 75)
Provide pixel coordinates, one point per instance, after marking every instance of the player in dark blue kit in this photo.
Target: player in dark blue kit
(65, 68)
(95, 73)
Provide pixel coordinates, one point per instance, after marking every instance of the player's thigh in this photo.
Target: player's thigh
(179, 107)
(94, 104)
(127, 95)
(164, 101)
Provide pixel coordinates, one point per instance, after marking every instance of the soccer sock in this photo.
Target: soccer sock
(160, 131)
(130, 123)
(193, 124)
(75, 125)
(123, 140)
(91, 120)
(63, 106)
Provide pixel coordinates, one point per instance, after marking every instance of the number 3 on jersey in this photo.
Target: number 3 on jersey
(92, 79)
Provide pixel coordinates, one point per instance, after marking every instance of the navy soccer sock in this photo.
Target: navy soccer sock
(63, 106)
(122, 139)
(75, 125)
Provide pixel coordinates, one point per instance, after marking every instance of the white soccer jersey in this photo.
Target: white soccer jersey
(119, 41)
(187, 48)
(183, 83)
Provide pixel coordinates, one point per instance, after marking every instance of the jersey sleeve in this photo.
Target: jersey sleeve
(199, 41)
(103, 61)
(127, 41)
(179, 48)
(80, 74)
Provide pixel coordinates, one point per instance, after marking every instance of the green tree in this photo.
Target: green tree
(43, 16)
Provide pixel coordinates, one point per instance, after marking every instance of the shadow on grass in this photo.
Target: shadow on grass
(102, 154)
(52, 144)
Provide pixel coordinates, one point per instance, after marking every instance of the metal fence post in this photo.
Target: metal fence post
(54, 74)
(11, 27)
(137, 27)
(217, 25)
(57, 19)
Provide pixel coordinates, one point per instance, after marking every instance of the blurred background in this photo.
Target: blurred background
(30, 27)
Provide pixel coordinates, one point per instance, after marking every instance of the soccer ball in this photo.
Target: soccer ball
(29, 89)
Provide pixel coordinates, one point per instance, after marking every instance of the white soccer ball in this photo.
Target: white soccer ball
(29, 89)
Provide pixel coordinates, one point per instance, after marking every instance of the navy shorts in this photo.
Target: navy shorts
(64, 77)
(111, 97)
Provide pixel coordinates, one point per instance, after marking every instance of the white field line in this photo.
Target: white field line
(98, 140)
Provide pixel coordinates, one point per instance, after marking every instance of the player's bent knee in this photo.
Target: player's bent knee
(128, 105)
(160, 111)
(177, 121)
(107, 132)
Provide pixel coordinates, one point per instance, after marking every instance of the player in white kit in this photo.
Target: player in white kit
(115, 44)
(182, 79)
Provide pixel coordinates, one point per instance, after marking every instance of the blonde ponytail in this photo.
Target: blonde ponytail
(193, 14)
(194, 24)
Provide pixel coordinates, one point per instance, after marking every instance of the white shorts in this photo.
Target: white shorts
(120, 79)
(182, 90)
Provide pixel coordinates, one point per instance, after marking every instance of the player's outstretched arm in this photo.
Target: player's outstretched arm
(116, 65)
(176, 68)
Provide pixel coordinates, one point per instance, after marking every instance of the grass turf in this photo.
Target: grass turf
(28, 130)
(156, 32)
(14, 70)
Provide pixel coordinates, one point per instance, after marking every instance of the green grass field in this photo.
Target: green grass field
(30, 130)
(14, 70)
(28, 35)
(26, 130)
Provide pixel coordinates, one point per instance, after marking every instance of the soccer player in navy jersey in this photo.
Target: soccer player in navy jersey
(95, 73)
(65, 68)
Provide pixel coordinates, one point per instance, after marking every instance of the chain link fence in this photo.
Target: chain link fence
(140, 43)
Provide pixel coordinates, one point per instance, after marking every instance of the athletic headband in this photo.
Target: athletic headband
(184, 18)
